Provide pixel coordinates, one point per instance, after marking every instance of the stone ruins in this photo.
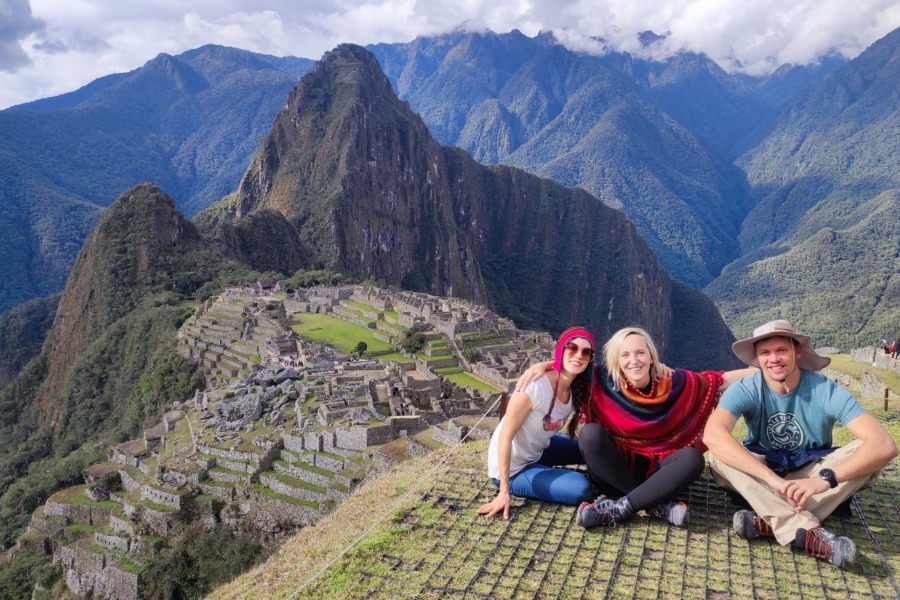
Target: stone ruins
(284, 428)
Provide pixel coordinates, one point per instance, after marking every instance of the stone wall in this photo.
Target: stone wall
(222, 492)
(493, 376)
(163, 497)
(355, 437)
(160, 522)
(129, 483)
(115, 542)
(281, 487)
(449, 435)
(78, 513)
(415, 448)
(875, 357)
(872, 387)
(44, 524)
(94, 575)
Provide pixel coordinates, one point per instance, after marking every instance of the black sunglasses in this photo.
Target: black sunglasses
(587, 353)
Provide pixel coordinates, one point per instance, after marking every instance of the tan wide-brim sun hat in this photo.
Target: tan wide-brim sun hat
(809, 360)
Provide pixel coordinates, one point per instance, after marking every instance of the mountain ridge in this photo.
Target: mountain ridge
(372, 195)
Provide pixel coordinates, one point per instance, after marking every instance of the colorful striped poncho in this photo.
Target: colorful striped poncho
(668, 418)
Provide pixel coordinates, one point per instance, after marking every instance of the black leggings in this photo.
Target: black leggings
(609, 470)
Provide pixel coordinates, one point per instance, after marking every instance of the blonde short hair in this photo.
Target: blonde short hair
(613, 347)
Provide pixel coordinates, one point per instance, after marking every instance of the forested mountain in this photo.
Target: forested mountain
(109, 364)
(188, 122)
(822, 240)
(362, 188)
(596, 123)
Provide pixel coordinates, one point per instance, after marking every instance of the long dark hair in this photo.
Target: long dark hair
(581, 395)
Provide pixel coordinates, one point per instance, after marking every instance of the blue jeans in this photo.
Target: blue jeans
(541, 481)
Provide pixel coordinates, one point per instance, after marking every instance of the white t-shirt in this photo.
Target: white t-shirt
(532, 438)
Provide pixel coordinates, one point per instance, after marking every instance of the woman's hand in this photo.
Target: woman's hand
(532, 373)
(500, 503)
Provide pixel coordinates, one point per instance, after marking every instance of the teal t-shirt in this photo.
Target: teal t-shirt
(801, 420)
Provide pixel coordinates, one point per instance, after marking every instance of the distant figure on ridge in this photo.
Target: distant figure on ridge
(786, 468)
(895, 353)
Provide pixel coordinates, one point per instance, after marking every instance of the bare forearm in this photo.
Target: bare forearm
(729, 377)
(866, 460)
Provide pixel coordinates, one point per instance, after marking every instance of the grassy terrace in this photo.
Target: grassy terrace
(339, 333)
(843, 363)
(427, 542)
(295, 482)
(76, 495)
(270, 493)
(362, 305)
(465, 379)
(306, 466)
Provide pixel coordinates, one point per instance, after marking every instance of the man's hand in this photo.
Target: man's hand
(532, 373)
(799, 491)
(498, 504)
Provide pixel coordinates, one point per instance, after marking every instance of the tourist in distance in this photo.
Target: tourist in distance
(526, 447)
(786, 469)
(641, 440)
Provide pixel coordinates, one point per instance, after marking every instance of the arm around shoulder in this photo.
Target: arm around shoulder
(729, 377)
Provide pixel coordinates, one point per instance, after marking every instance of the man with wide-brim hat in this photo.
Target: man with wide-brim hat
(790, 411)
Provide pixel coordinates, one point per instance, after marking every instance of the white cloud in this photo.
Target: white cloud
(59, 45)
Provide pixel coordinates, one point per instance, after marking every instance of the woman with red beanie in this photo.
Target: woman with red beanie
(526, 448)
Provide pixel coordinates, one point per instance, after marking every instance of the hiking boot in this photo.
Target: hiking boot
(675, 512)
(750, 525)
(603, 511)
(821, 543)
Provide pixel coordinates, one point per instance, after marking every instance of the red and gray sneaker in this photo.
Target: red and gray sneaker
(675, 512)
(603, 511)
(750, 525)
(821, 543)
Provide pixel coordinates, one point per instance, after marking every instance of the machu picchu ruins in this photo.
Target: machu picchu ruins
(285, 425)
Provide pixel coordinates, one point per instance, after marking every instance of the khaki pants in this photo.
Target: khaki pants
(775, 510)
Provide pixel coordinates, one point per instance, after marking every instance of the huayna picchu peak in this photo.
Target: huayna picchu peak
(368, 192)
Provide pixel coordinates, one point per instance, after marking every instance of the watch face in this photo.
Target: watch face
(828, 475)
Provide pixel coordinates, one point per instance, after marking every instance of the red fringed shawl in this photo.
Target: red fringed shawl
(671, 417)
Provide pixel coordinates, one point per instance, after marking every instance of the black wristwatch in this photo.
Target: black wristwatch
(828, 475)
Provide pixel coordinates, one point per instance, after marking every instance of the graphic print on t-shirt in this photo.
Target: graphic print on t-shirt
(784, 431)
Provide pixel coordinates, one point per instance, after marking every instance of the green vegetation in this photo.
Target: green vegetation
(27, 568)
(113, 369)
(464, 379)
(343, 335)
(22, 333)
(196, 561)
(413, 340)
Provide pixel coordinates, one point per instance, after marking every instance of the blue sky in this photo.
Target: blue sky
(49, 47)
